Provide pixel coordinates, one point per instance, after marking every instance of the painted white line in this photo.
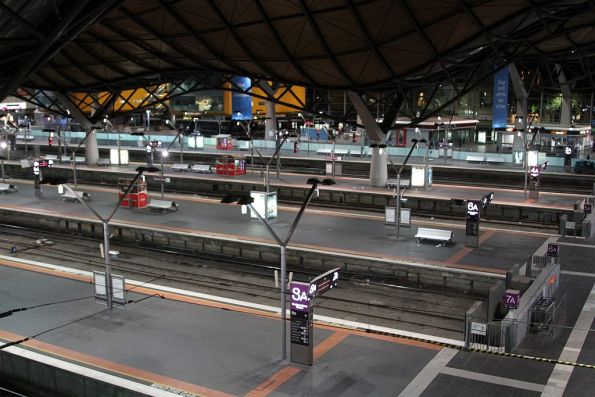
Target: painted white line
(88, 372)
(324, 320)
(427, 375)
(577, 245)
(518, 384)
(581, 274)
(561, 373)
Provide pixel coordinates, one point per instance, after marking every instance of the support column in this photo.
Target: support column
(378, 165)
(518, 142)
(91, 150)
(566, 111)
(270, 123)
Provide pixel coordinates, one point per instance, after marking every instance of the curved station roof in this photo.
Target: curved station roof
(374, 44)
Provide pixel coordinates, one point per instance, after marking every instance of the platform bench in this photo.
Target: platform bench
(6, 187)
(323, 151)
(69, 196)
(162, 205)
(494, 160)
(474, 159)
(444, 236)
(52, 157)
(392, 183)
(180, 167)
(202, 168)
(25, 138)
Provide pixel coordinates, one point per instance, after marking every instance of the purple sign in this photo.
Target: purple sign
(512, 298)
(300, 301)
(552, 250)
(588, 208)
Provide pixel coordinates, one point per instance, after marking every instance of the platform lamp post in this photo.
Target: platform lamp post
(3, 146)
(249, 134)
(179, 137)
(104, 221)
(398, 193)
(304, 126)
(247, 200)
(164, 154)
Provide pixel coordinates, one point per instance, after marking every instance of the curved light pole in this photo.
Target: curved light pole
(104, 221)
(247, 200)
(398, 193)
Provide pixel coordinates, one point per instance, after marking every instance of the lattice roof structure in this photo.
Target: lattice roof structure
(70, 45)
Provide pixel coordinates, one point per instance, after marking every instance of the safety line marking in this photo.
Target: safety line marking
(111, 366)
(269, 385)
(333, 340)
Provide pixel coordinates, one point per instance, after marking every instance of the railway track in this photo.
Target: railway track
(362, 298)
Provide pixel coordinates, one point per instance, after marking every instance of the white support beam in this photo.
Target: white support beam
(566, 111)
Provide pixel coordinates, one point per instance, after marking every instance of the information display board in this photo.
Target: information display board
(301, 324)
(472, 223)
(324, 282)
(262, 201)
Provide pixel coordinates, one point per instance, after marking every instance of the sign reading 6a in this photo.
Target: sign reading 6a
(472, 208)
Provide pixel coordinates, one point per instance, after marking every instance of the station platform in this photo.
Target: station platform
(170, 342)
(354, 234)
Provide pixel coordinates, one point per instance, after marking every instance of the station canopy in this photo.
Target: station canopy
(88, 45)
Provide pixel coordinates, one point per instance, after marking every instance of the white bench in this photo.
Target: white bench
(474, 158)
(69, 196)
(77, 159)
(391, 183)
(323, 151)
(104, 162)
(359, 153)
(180, 167)
(162, 205)
(201, 168)
(494, 159)
(243, 145)
(52, 157)
(21, 137)
(6, 187)
(424, 233)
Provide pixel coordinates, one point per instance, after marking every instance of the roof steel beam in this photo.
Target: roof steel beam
(267, 71)
(327, 49)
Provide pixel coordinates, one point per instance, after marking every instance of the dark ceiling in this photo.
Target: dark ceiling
(74, 45)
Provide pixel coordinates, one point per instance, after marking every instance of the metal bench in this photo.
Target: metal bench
(52, 157)
(104, 162)
(494, 160)
(162, 205)
(180, 167)
(444, 236)
(323, 151)
(392, 183)
(21, 137)
(201, 168)
(6, 187)
(70, 196)
(474, 159)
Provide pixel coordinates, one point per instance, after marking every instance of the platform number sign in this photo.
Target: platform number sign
(472, 224)
(535, 171)
(553, 250)
(512, 298)
(300, 299)
(323, 283)
(587, 208)
(473, 209)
